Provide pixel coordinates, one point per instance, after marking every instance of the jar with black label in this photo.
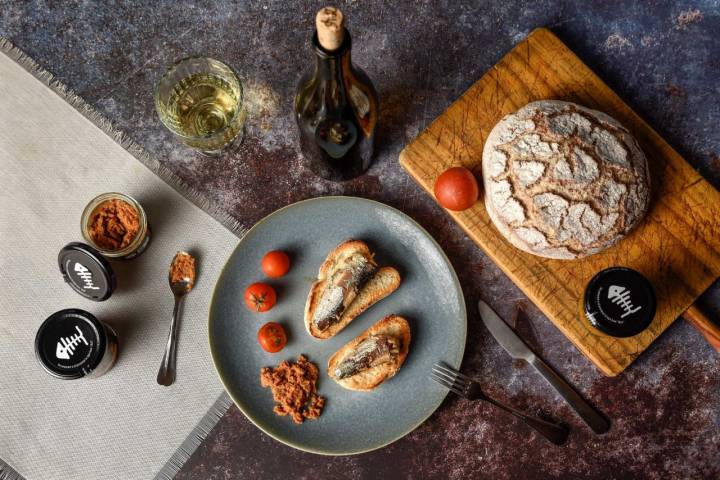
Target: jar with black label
(115, 227)
(620, 302)
(73, 344)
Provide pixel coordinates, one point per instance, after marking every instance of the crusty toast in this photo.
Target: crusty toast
(366, 380)
(383, 282)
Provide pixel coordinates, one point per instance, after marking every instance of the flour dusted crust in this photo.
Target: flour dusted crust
(563, 181)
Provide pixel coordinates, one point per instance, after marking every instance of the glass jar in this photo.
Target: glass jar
(72, 344)
(139, 242)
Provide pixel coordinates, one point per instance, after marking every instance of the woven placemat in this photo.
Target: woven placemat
(56, 153)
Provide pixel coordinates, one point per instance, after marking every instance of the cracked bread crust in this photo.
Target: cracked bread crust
(563, 181)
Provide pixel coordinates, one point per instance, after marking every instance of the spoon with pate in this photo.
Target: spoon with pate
(182, 279)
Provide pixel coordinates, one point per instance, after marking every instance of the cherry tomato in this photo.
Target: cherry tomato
(456, 189)
(272, 337)
(275, 264)
(260, 297)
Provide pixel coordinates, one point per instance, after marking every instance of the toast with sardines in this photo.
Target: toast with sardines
(349, 282)
(373, 357)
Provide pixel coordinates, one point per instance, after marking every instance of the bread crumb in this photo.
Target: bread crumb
(687, 17)
(617, 42)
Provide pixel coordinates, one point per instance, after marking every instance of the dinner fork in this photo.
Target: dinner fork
(468, 388)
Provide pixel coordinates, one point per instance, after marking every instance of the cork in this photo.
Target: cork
(330, 26)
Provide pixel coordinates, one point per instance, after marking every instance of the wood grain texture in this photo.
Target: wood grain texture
(677, 246)
(704, 325)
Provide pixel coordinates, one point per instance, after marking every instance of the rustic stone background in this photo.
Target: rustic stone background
(662, 57)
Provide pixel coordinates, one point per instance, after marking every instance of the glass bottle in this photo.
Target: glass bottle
(336, 107)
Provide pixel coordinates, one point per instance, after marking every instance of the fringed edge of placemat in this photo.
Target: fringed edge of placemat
(221, 405)
(8, 473)
(196, 437)
(120, 137)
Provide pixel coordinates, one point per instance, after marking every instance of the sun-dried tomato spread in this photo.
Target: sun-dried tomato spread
(294, 389)
(182, 268)
(114, 224)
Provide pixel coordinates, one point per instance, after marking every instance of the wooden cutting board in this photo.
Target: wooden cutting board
(677, 246)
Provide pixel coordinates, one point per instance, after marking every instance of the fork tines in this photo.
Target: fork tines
(451, 379)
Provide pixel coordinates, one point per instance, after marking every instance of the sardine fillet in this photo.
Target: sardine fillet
(366, 379)
(328, 311)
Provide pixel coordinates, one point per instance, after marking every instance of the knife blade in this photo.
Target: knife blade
(513, 344)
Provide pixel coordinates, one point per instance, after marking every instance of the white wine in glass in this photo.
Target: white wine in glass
(200, 100)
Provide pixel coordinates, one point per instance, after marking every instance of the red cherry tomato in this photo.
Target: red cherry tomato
(260, 297)
(456, 189)
(272, 337)
(275, 264)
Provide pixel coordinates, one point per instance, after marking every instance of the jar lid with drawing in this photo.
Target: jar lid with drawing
(87, 271)
(72, 344)
(620, 302)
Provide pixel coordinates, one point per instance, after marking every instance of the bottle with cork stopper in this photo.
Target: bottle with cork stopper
(336, 105)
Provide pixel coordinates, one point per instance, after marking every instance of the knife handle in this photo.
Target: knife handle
(592, 417)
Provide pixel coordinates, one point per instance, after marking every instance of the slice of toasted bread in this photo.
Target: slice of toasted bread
(348, 247)
(369, 379)
(385, 281)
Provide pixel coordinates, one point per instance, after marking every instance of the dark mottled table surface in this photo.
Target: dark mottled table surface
(662, 57)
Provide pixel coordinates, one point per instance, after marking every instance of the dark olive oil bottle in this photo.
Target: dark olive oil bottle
(336, 106)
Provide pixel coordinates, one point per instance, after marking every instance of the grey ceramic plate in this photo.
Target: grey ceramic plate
(429, 297)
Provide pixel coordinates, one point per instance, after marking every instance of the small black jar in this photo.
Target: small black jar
(72, 344)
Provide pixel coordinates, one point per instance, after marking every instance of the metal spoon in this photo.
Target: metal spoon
(182, 279)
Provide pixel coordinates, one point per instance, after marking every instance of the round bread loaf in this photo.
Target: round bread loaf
(563, 181)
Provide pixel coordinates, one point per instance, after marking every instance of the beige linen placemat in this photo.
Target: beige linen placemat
(123, 425)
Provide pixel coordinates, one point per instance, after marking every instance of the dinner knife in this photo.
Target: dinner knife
(513, 344)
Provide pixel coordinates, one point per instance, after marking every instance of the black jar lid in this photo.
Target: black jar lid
(620, 302)
(70, 344)
(87, 271)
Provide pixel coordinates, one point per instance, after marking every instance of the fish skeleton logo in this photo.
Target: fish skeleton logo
(86, 275)
(621, 297)
(66, 345)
